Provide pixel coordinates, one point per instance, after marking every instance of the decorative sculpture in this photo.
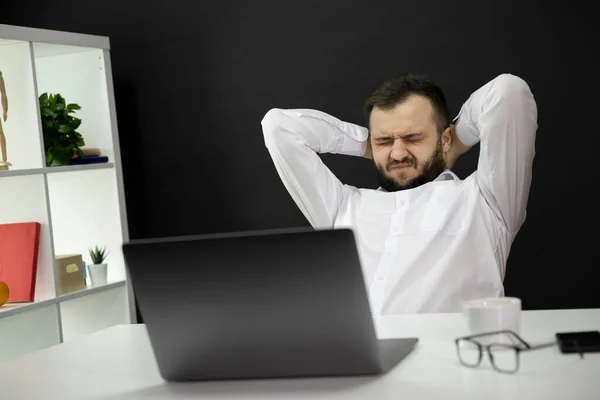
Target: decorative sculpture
(4, 293)
(4, 164)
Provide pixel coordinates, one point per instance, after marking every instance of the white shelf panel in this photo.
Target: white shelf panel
(9, 310)
(29, 34)
(4, 42)
(57, 169)
(52, 49)
(80, 77)
(84, 315)
(21, 128)
(29, 332)
(85, 212)
(90, 291)
(23, 199)
(76, 168)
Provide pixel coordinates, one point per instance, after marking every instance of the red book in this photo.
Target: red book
(19, 244)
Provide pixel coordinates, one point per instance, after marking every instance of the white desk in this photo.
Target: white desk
(118, 363)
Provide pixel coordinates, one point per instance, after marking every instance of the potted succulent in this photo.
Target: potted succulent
(98, 267)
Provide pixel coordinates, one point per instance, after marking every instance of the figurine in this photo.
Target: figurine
(4, 164)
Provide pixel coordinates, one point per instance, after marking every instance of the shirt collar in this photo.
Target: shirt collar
(447, 175)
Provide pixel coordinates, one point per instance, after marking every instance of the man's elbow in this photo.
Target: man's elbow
(271, 123)
(512, 87)
(271, 120)
(515, 96)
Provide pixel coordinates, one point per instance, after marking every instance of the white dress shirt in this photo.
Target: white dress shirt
(430, 248)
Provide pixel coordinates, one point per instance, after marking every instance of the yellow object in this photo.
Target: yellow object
(3, 293)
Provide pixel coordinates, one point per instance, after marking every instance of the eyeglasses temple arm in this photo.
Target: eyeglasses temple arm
(540, 346)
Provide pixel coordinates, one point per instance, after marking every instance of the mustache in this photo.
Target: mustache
(407, 161)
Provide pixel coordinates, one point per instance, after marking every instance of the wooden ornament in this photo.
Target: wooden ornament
(4, 292)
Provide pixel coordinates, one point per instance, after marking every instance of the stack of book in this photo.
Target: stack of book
(91, 155)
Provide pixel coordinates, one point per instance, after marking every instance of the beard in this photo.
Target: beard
(431, 169)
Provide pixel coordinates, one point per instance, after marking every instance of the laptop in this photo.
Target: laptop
(264, 304)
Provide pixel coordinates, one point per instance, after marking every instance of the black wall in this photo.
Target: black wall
(194, 79)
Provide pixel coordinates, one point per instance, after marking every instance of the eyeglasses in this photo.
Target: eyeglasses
(504, 357)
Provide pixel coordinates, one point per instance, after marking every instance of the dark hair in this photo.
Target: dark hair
(396, 90)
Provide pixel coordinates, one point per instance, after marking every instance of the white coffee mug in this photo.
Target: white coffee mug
(493, 314)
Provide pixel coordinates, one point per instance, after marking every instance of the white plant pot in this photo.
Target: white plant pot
(97, 274)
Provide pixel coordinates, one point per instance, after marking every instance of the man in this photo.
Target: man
(427, 240)
(4, 164)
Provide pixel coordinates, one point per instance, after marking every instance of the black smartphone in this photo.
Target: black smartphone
(578, 342)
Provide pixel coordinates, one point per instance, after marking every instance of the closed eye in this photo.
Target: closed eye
(409, 138)
(413, 137)
(383, 141)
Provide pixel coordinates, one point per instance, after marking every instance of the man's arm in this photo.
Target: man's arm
(293, 139)
(502, 116)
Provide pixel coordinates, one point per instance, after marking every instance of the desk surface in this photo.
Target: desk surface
(118, 363)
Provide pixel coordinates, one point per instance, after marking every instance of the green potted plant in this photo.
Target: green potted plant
(62, 142)
(98, 267)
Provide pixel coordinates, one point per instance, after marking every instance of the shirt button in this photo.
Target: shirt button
(396, 229)
(380, 278)
(402, 202)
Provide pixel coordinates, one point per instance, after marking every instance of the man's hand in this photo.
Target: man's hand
(457, 149)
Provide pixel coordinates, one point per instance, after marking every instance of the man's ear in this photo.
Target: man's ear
(369, 150)
(447, 136)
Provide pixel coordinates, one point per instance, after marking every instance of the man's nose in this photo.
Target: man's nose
(399, 151)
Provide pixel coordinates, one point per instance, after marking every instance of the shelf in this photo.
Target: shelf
(53, 170)
(88, 291)
(28, 332)
(21, 128)
(77, 206)
(85, 212)
(51, 50)
(78, 74)
(12, 309)
(88, 314)
(29, 34)
(24, 199)
(4, 42)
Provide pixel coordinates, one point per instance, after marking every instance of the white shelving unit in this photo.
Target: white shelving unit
(77, 206)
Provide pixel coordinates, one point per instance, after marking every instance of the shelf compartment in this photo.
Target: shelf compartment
(28, 332)
(23, 199)
(87, 314)
(21, 128)
(79, 75)
(85, 212)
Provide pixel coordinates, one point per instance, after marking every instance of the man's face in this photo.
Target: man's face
(407, 149)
